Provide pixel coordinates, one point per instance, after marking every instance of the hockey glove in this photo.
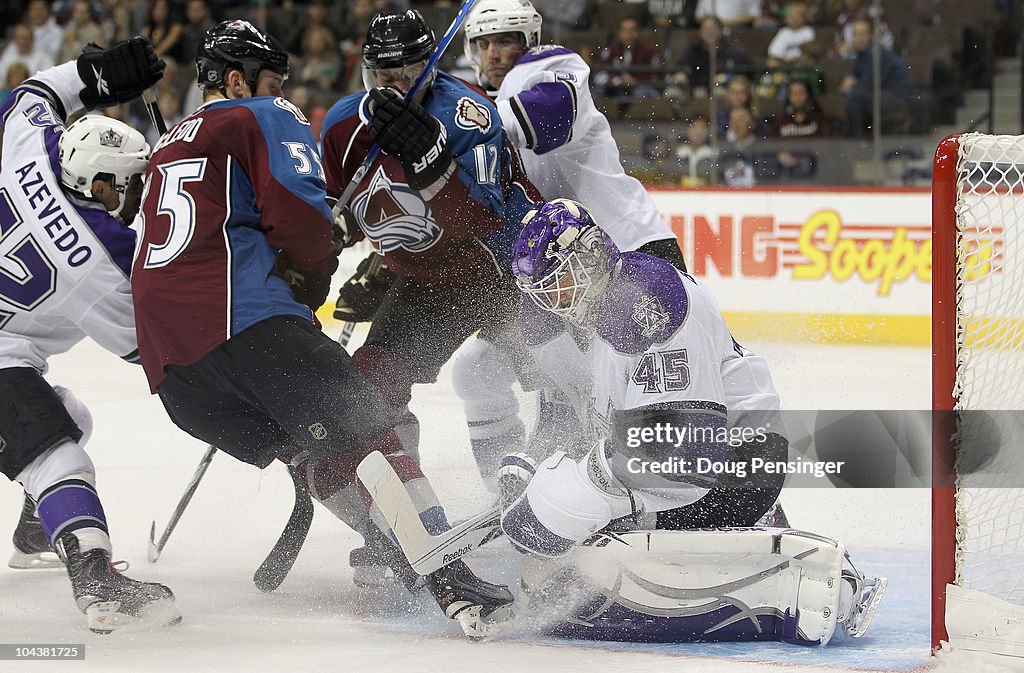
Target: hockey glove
(363, 293)
(406, 131)
(309, 287)
(119, 73)
(345, 228)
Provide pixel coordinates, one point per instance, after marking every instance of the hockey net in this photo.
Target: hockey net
(978, 373)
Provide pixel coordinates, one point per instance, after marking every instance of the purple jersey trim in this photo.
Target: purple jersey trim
(546, 112)
(543, 52)
(645, 304)
(70, 505)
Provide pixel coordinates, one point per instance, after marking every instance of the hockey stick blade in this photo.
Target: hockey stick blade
(281, 558)
(425, 552)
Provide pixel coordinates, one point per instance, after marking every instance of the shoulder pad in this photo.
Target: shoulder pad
(645, 304)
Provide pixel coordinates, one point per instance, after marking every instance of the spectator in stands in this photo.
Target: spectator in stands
(897, 87)
(314, 15)
(630, 65)
(164, 29)
(118, 21)
(695, 66)
(736, 161)
(739, 95)
(785, 47)
(15, 75)
(23, 49)
(563, 16)
(80, 31)
(197, 22)
(321, 62)
(48, 35)
(801, 117)
(696, 157)
(854, 11)
(733, 13)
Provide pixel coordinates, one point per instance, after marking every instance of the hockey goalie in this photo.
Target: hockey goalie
(653, 533)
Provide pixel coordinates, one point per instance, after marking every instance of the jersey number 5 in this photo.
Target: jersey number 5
(179, 206)
(27, 277)
(673, 373)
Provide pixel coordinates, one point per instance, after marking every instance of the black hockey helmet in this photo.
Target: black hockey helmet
(397, 39)
(238, 44)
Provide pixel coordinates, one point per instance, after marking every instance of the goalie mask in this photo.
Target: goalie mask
(241, 45)
(397, 48)
(491, 17)
(562, 260)
(95, 145)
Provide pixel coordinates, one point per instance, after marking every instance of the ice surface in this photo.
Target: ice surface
(317, 621)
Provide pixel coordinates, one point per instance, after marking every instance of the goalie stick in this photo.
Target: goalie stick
(425, 552)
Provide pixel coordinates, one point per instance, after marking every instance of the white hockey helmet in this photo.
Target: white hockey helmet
(490, 17)
(96, 144)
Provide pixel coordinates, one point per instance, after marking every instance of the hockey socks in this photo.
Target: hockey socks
(73, 506)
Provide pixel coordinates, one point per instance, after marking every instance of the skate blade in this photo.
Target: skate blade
(103, 617)
(477, 627)
(39, 561)
(868, 608)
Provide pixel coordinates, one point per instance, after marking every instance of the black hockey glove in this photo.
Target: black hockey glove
(309, 287)
(363, 293)
(119, 73)
(406, 131)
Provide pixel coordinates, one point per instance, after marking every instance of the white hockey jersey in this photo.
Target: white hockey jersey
(567, 146)
(64, 263)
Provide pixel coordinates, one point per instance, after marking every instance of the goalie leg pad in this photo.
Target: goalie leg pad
(561, 507)
(699, 586)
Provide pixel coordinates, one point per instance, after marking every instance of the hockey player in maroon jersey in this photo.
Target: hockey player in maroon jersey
(234, 202)
(442, 204)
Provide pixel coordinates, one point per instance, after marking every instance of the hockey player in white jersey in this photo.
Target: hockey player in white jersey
(543, 97)
(679, 415)
(66, 196)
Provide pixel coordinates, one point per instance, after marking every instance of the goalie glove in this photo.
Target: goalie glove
(406, 131)
(119, 73)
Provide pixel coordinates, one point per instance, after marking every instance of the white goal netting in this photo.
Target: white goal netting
(989, 387)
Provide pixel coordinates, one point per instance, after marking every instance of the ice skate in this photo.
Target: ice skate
(32, 551)
(475, 604)
(380, 565)
(858, 601)
(110, 600)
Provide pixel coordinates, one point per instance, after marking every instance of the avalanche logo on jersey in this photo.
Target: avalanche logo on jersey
(394, 216)
(471, 115)
(649, 315)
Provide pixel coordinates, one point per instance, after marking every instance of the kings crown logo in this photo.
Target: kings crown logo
(649, 315)
(111, 138)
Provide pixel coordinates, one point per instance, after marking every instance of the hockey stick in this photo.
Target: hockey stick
(155, 116)
(281, 558)
(155, 548)
(442, 45)
(426, 552)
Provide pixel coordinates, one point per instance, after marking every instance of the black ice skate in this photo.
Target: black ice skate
(381, 565)
(110, 600)
(475, 604)
(32, 551)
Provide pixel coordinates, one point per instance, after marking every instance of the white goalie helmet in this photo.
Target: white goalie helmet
(490, 17)
(96, 144)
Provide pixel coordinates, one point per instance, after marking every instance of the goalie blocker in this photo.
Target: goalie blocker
(699, 586)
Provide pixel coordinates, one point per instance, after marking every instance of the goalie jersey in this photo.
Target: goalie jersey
(567, 145)
(464, 233)
(64, 263)
(230, 189)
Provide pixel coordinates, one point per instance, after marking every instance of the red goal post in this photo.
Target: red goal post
(978, 393)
